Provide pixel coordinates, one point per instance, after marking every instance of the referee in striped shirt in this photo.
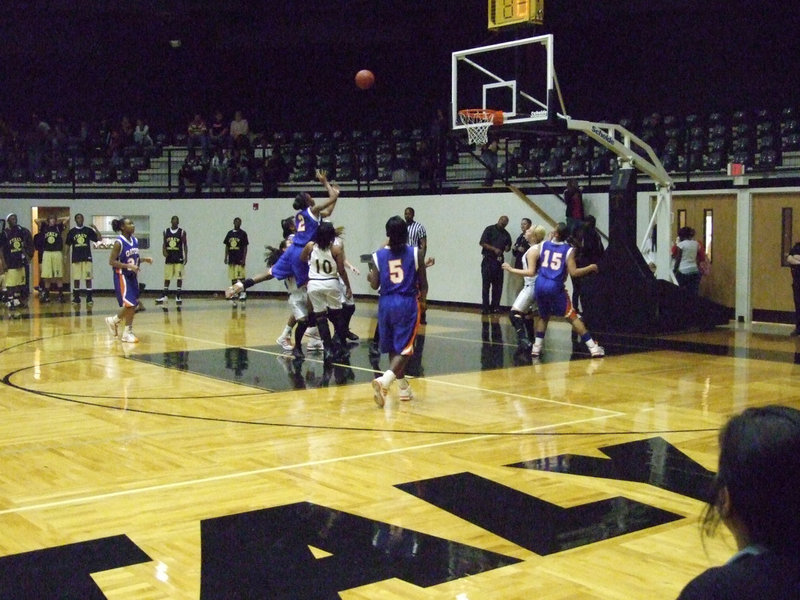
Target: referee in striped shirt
(417, 236)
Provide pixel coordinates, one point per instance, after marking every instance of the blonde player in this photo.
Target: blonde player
(525, 303)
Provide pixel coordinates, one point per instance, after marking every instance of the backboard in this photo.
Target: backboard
(516, 77)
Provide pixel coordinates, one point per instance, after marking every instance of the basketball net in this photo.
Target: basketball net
(477, 122)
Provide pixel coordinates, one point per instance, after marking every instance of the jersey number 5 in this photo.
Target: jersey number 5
(396, 274)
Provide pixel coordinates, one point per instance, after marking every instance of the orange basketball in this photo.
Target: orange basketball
(365, 79)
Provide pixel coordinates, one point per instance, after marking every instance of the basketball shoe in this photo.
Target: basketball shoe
(597, 352)
(405, 393)
(381, 391)
(314, 341)
(111, 323)
(129, 338)
(285, 343)
(232, 291)
(162, 299)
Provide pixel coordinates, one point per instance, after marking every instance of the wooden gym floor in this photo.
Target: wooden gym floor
(204, 463)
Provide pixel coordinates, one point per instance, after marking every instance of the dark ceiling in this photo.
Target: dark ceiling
(290, 64)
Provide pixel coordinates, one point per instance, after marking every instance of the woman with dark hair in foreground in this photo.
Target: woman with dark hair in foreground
(756, 494)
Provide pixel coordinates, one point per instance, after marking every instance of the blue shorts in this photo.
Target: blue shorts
(126, 288)
(398, 321)
(552, 299)
(290, 265)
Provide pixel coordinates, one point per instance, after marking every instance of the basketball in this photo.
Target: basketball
(365, 79)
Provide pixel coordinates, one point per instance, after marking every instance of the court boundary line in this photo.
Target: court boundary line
(278, 468)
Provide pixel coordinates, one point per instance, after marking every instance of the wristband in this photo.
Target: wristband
(248, 283)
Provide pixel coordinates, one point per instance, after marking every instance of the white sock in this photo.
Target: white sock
(590, 343)
(287, 331)
(388, 378)
(403, 383)
(117, 319)
(128, 329)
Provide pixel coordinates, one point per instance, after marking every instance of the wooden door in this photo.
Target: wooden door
(713, 217)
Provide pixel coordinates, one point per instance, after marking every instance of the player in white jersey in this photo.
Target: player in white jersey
(348, 303)
(525, 303)
(325, 266)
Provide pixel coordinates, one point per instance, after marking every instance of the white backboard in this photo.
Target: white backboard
(516, 77)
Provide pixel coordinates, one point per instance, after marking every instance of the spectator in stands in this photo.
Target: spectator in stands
(754, 493)
(36, 143)
(193, 172)
(238, 170)
(59, 135)
(427, 169)
(85, 136)
(240, 131)
(275, 171)
(589, 251)
(573, 196)
(218, 133)
(126, 130)
(197, 132)
(218, 168)
(103, 137)
(115, 146)
(490, 158)
(439, 129)
(141, 134)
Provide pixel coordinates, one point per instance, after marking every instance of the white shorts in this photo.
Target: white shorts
(525, 302)
(298, 303)
(342, 297)
(324, 294)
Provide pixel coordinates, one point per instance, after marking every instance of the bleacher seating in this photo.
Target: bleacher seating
(762, 139)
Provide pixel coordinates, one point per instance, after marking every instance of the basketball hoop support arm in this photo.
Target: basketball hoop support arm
(618, 139)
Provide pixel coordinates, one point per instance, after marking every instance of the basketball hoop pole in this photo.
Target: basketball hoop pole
(618, 139)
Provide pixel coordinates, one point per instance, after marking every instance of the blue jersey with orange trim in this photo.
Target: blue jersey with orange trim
(129, 254)
(553, 258)
(398, 272)
(306, 224)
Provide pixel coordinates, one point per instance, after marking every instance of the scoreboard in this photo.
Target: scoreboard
(506, 13)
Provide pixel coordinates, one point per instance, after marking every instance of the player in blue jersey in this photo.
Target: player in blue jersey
(555, 259)
(306, 221)
(401, 277)
(124, 260)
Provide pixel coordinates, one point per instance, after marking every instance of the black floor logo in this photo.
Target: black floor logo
(305, 550)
